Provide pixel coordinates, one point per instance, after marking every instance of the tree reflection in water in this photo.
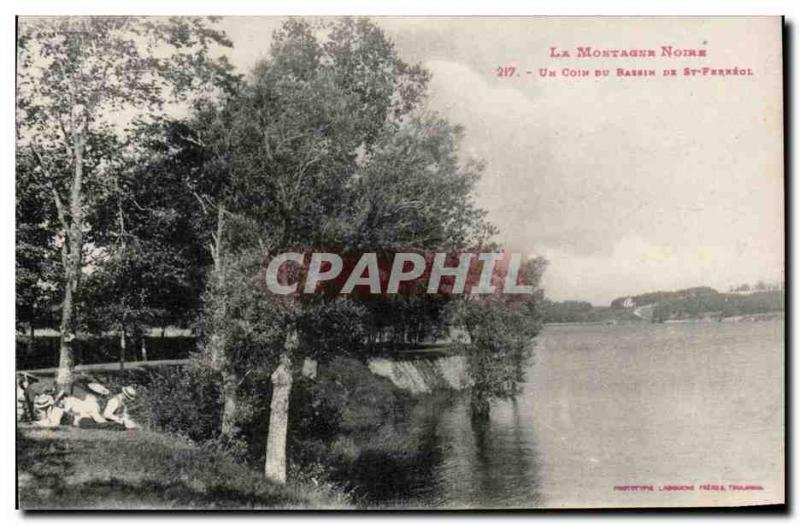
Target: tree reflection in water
(455, 461)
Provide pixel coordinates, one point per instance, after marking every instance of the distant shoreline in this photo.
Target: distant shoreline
(751, 318)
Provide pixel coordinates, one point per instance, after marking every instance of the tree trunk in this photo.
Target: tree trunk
(230, 383)
(479, 407)
(31, 341)
(215, 350)
(65, 360)
(275, 466)
(217, 341)
(144, 348)
(72, 256)
(123, 343)
(229, 386)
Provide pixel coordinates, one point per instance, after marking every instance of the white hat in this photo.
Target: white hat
(43, 401)
(98, 388)
(129, 392)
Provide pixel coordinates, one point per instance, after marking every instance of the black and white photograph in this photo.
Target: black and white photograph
(402, 263)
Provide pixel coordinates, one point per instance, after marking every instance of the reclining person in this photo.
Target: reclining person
(117, 408)
(83, 408)
(46, 411)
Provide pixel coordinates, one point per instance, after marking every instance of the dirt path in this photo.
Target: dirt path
(111, 367)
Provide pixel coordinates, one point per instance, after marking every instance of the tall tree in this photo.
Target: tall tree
(327, 145)
(290, 143)
(76, 76)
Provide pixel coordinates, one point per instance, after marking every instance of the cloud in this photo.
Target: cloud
(636, 265)
(623, 193)
(626, 186)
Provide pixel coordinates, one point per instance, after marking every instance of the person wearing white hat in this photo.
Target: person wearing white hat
(26, 392)
(48, 414)
(117, 408)
(22, 405)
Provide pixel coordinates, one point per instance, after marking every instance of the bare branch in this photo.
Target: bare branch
(200, 200)
(66, 134)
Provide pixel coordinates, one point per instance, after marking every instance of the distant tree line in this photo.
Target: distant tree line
(568, 312)
(689, 303)
(657, 297)
(719, 305)
(759, 286)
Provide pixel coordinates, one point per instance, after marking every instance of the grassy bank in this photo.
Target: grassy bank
(90, 468)
(354, 438)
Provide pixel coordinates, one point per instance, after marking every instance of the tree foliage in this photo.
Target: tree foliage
(76, 77)
(326, 144)
(36, 257)
(500, 332)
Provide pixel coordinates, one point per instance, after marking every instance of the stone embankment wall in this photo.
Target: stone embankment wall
(423, 375)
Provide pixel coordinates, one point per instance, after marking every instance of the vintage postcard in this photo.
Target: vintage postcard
(399, 263)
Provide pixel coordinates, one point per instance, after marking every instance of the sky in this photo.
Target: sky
(625, 185)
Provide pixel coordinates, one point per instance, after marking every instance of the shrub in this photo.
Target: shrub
(180, 400)
(334, 417)
(355, 398)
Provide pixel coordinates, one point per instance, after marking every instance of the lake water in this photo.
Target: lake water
(611, 406)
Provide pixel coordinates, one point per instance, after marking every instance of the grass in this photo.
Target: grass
(72, 468)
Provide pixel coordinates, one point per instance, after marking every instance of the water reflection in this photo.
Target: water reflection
(602, 406)
(455, 461)
(487, 463)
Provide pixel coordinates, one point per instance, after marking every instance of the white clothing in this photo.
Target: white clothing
(116, 410)
(82, 408)
(51, 417)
